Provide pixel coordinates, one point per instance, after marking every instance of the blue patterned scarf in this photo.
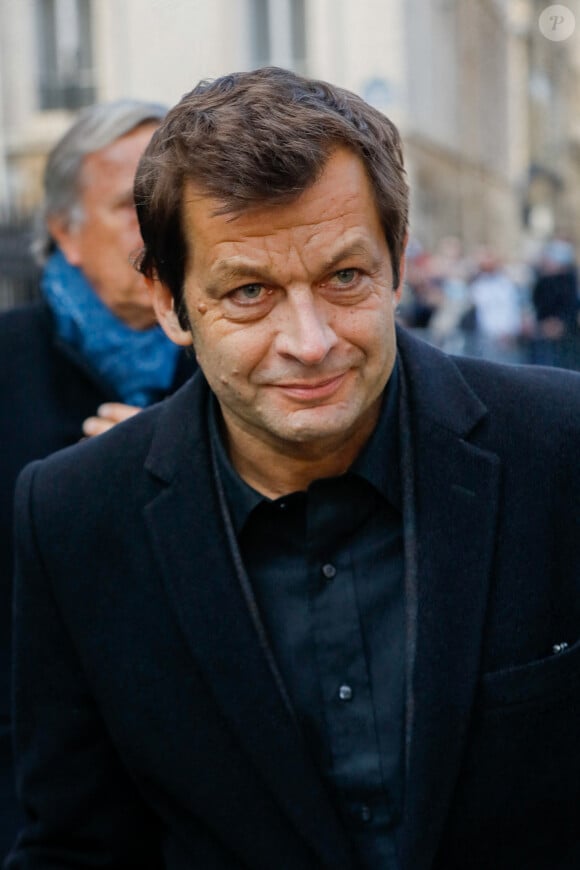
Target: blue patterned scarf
(138, 364)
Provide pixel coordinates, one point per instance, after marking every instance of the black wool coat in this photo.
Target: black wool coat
(151, 728)
(46, 391)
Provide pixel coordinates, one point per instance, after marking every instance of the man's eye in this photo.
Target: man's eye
(249, 293)
(346, 276)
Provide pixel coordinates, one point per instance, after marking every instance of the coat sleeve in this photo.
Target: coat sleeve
(81, 808)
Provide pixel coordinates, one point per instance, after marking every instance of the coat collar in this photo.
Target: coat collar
(450, 509)
(451, 502)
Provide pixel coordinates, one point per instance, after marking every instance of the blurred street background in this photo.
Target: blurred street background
(485, 92)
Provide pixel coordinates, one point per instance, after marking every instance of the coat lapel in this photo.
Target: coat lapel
(451, 501)
(203, 584)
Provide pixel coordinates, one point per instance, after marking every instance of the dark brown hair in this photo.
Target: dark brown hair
(256, 137)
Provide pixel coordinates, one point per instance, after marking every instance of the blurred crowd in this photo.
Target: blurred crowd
(474, 303)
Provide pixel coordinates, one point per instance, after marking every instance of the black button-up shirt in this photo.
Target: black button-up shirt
(326, 567)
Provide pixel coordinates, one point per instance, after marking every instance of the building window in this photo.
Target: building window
(278, 33)
(65, 70)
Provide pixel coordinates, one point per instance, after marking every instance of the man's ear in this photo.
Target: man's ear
(164, 306)
(67, 238)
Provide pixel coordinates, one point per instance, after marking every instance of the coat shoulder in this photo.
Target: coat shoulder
(528, 395)
(15, 320)
(87, 464)
(112, 465)
(23, 332)
(526, 415)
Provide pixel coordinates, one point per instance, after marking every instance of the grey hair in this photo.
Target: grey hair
(96, 127)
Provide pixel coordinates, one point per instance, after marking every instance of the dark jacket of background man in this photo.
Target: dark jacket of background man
(46, 392)
(48, 383)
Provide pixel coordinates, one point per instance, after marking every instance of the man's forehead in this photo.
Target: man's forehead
(321, 230)
(342, 165)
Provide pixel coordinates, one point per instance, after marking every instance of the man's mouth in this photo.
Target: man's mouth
(321, 388)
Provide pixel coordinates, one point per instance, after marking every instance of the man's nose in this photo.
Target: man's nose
(305, 332)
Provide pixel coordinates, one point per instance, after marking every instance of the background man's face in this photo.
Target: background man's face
(292, 309)
(107, 235)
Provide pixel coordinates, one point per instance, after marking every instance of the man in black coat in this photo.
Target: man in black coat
(91, 342)
(557, 308)
(321, 608)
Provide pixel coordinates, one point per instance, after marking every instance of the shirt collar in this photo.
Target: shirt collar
(370, 463)
(378, 461)
(241, 497)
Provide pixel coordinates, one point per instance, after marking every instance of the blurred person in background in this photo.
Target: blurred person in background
(555, 300)
(422, 294)
(449, 270)
(321, 608)
(90, 353)
(498, 316)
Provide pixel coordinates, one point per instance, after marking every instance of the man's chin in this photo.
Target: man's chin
(311, 425)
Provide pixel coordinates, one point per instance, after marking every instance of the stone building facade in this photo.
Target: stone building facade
(486, 104)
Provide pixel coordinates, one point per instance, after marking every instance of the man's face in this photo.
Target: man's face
(292, 310)
(103, 240)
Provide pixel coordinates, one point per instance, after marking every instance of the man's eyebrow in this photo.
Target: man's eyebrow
(233, 270)
(354, 249)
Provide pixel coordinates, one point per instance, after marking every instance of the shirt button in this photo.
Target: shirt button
(345, 693)
(365, 813)
(329, 571)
